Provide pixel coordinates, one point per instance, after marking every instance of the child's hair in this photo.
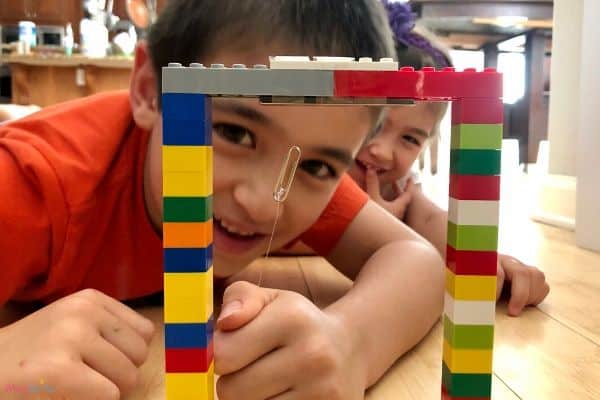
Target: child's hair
(190, 30)
(417, 47)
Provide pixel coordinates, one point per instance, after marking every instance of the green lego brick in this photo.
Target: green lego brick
(468, 336)
(474, 162)
(187, 209)
(477, 136)
(466, 385)
(473, 237)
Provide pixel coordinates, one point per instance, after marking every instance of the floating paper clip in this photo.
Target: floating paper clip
(286, 175)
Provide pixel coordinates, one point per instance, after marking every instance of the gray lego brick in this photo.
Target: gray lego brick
(247, 81)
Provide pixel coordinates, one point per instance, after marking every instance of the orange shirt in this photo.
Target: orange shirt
(72, 212)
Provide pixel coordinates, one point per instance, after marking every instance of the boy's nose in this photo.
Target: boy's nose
(255, 197)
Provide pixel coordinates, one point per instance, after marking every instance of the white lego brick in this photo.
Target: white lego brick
(473, 212)
(333, 63)
(241, 81)
(463, 312)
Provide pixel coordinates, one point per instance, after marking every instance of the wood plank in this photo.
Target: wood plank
(540, 358)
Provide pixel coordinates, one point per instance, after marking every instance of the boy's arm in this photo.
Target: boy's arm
(398, 290)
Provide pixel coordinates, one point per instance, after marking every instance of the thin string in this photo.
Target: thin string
(270, 241)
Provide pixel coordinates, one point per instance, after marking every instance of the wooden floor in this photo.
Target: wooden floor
(550, 352)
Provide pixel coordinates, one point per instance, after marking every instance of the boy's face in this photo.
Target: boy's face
(250, 143)
(393, 151)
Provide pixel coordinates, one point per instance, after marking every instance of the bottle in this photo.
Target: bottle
(68, 40)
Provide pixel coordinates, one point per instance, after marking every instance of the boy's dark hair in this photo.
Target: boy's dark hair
(190, 30)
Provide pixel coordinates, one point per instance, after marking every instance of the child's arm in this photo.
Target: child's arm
(84, 344)
(528, 284)
(398, 289)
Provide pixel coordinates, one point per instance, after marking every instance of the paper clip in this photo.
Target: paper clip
(286, 175)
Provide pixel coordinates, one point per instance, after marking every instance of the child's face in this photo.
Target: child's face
(250, 142)
(392, 152)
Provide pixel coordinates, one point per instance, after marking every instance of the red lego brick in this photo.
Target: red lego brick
(464, 262)
(398, 84)
(426, 84)
(477, 111)
(475, 187)
(189, 360)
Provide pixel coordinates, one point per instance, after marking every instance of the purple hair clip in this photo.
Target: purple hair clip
(402, 21)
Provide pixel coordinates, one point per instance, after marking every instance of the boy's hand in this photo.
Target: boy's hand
(528, 284)
(400, 197)
(276, 345)
(84, 346)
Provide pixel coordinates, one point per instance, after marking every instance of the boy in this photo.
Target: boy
(83, 190)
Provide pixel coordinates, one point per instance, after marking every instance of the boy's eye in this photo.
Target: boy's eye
(235, 134)
(411, 139)
(318, 169)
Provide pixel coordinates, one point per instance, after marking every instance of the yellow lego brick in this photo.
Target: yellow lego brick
(187, 184)
(190, 386)
(461, 361)
(188, 296)
(187, 159)
(471, 287)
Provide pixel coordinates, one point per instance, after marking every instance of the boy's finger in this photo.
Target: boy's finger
(123, 337)
(242, 302)
(140, 324)
(519, 293)
(372, 183)
(80, 383)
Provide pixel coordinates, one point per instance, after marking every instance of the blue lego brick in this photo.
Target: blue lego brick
(186, 119)
(179, 336)
(188, 259)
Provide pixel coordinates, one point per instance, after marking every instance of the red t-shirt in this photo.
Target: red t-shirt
(72, 212)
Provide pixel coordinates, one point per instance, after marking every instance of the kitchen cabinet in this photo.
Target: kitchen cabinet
(42, 12)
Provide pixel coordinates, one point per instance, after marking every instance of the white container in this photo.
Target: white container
(27, 35)
(68, 40)
(94, 38)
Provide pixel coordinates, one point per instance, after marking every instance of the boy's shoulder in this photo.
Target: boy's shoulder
(78, 141)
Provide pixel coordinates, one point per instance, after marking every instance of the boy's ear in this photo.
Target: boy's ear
(142, 89)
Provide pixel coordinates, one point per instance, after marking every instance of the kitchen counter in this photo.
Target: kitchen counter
(46, 79)
(60, 60)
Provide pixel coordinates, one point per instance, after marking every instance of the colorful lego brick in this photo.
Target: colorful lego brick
(187, 209)
(473, 212)
(473, 237)
(187, 234)
(474, 162)
(188, 297)
(468, 312)
(187, 184)
(191, 385)
(471, 287)
(189, 359)
(332, 63)
(467, 361)
(476, 136)
(466, 262)
(188, 259)
(465, 386)
(180, 112)
(427, 84)
(188, 335)
(484, 110)
(475, 187)
(220, 81)
(187, 159)
(468, 336)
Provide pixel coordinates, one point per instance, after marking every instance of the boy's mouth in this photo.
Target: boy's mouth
(232, 239)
